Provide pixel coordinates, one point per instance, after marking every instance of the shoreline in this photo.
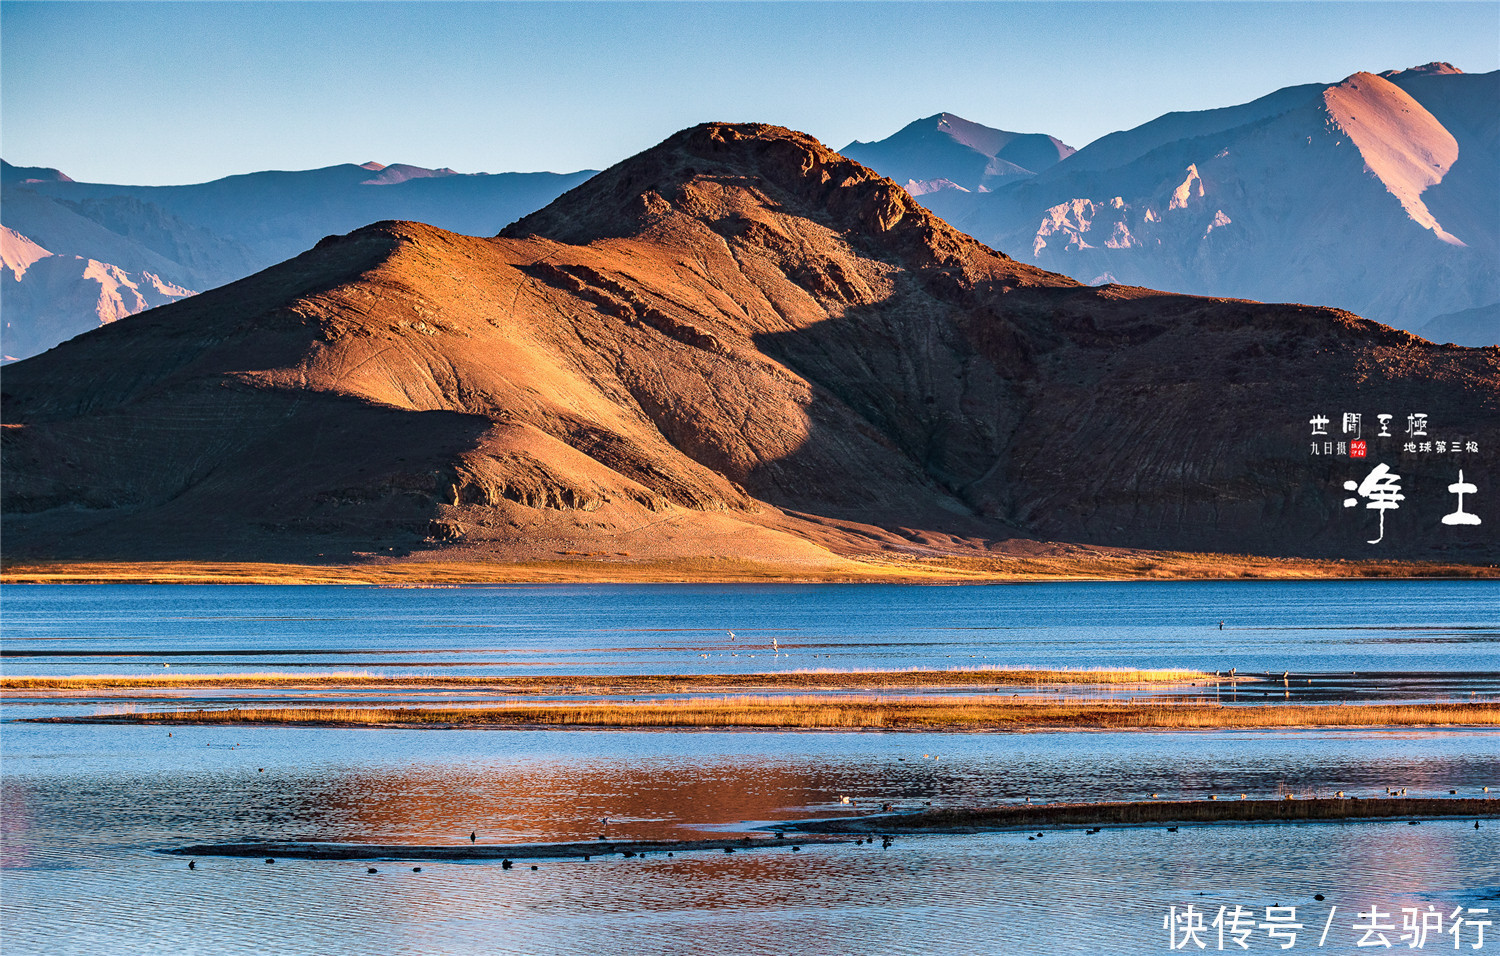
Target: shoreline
(1103, 564)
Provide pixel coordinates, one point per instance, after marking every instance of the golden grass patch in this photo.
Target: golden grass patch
(856, 713)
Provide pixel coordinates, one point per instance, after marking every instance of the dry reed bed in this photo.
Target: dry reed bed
(852, 713)
(830, 679)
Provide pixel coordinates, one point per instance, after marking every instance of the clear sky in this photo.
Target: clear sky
(175, 92)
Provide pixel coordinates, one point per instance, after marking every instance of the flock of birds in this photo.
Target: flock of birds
(775, 647)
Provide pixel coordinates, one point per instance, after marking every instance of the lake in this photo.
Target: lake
(87, 807)
(1323, 626)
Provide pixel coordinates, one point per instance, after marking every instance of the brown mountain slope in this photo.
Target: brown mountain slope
(735, 343)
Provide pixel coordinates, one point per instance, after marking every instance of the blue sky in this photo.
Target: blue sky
(175, 92)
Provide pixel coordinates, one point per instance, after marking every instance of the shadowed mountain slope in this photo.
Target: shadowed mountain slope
(966, 154)
(737, 343)
(1472, 327)
(949, 161)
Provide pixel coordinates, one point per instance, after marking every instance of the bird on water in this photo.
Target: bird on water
(473, 836)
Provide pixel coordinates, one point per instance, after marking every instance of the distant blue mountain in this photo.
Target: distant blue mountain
(200, 236)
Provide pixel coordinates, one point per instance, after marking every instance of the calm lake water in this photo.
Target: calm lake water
(559, 629)
(85, 808)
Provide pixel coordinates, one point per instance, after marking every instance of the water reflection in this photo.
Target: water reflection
(86, 806)
(436, 786)
(1102, 894)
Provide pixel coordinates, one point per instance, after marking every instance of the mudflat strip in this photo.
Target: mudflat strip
(1138, 813)
(792, 836)
(521, 851)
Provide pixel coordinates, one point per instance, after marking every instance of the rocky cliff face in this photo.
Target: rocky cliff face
(737, 343)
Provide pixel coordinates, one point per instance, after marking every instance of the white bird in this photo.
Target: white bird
(731, 635)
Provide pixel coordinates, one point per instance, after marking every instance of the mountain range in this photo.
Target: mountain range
(94, 252)
(737, 344)
(1378, 194)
